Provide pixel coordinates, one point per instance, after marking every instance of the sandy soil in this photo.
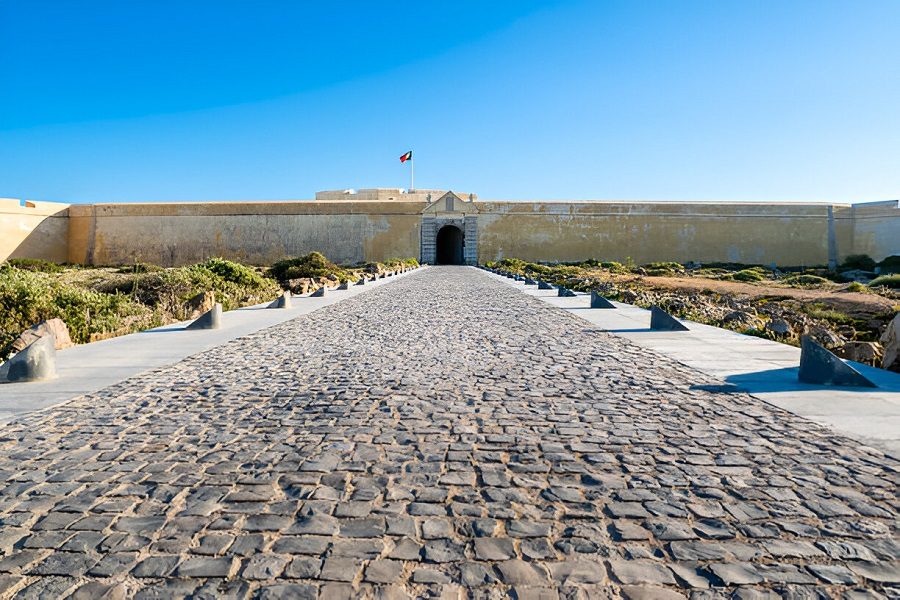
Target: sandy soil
(849, 302)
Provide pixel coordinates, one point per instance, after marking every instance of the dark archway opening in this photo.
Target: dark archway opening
(449, 245)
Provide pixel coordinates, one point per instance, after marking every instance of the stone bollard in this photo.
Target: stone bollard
(35, 362)
(211, 319)
(282, 301)
(344, 286)
(361, 280)
(565, 292)
(819, 366)
(543, 285)
(660, 320)
(530, 281)
(598, 301)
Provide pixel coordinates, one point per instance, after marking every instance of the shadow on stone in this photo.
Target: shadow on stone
(530, 281)
(362, 280)
(282, 301)
(211, 319)
(598, 301)
(35, 362)
(565, 292)
(543, 285)
(660, 320)
(819, 366)
(319, 292)
(344, 286)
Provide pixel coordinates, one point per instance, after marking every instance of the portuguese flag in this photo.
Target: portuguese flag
(406, 157)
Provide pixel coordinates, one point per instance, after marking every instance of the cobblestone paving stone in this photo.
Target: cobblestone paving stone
(444, 436)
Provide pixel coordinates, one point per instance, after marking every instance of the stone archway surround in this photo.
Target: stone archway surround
(430, 227)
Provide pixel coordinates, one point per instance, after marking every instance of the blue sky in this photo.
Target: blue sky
(632, 99)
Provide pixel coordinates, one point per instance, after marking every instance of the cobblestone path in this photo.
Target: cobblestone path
(443, 436)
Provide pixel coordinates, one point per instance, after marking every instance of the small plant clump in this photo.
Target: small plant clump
(806, 280)
(889, 281)
(751, 274)
(664, 269)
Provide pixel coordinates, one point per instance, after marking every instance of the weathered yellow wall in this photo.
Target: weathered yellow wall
(36, 230)
(255, 233)
(354, 231)
(786, 234)
(876, 229)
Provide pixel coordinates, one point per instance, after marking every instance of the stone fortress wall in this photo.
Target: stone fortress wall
(353, 226)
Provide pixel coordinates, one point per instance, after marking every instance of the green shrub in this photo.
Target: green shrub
(713, 272)
(36, 264)
(234, 272)
(614, 267)
(748, 275)
(29, 297)
(889, 265)
(805, 280)
(663, 269)
(396, 263)
(862, 262)
(515, 265)
(169, 289)
(312, 265)
(857, 287)
(891, 281)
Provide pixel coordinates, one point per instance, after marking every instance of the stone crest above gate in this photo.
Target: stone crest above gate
(450, 203)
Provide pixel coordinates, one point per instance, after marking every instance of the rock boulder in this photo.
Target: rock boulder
(890, 340)
(55, 327)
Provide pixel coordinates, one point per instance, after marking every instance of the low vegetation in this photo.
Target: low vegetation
(103, 302)
(751, 299)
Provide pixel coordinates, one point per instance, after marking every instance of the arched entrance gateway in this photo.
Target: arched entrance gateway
(449, 246)
(450, 231)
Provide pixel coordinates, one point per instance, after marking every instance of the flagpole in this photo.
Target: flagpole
(412, 172)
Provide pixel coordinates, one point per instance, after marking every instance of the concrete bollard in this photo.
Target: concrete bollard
(543, 285)
(282, 301)
(361, 280)
(819, 366)
(598, 301)
(319, 293)
(530, 281)
(565, 292)
(344, 286)
(211, 319)
(660, 320)
(35, 362)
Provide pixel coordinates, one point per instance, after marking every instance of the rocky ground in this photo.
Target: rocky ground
(852, 320)
(444, 436)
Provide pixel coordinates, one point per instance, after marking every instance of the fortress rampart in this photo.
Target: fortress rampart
(361, 226)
